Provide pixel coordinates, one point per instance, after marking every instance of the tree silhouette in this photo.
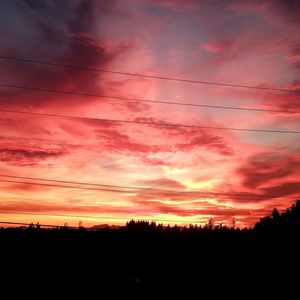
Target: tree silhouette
(289, 220)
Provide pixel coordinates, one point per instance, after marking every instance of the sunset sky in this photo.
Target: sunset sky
(244, 174)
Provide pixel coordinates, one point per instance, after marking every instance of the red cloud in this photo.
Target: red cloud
(283, 189)
(215, 211)
(187, 139)
(211, 142)
(114, 140)
(162, 183)
(28, 156)
(33, 207)
(263, 168)
(150, 209)
(117, 139)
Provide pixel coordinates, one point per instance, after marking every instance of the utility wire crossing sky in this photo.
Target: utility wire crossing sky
(195, 98)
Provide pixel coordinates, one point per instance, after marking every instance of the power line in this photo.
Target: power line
(54, 91)
(38, 224)
(87, 183)
(114, 186)
(93, 217)
(64, 215)
(145, 75)
(150, 122)
(66, 186)
(101, 185)
(105, 217)
(69, 227)
(147, 189)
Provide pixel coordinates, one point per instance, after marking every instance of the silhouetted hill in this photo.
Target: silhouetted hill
(104, 226)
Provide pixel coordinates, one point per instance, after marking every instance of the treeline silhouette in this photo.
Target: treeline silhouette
(144, 258)
(287, 221)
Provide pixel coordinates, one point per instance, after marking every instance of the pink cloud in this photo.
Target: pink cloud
(178, 5)
(293, 55)
(218, 46)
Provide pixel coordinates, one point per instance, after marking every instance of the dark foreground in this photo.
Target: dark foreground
(145, 262)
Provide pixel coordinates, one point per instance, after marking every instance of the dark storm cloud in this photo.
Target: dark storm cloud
(57, 31)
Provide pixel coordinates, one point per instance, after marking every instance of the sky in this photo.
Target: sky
(184, 175)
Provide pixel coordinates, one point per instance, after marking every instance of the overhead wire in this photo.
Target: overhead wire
(150, 122)
(37, 224)
(55, 64)
(77, 227)
(145, 100)
(124, 189)
(123, 99)
(110, 218)
(66, 186)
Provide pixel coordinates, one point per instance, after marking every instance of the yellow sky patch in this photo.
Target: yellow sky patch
(207, 184)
